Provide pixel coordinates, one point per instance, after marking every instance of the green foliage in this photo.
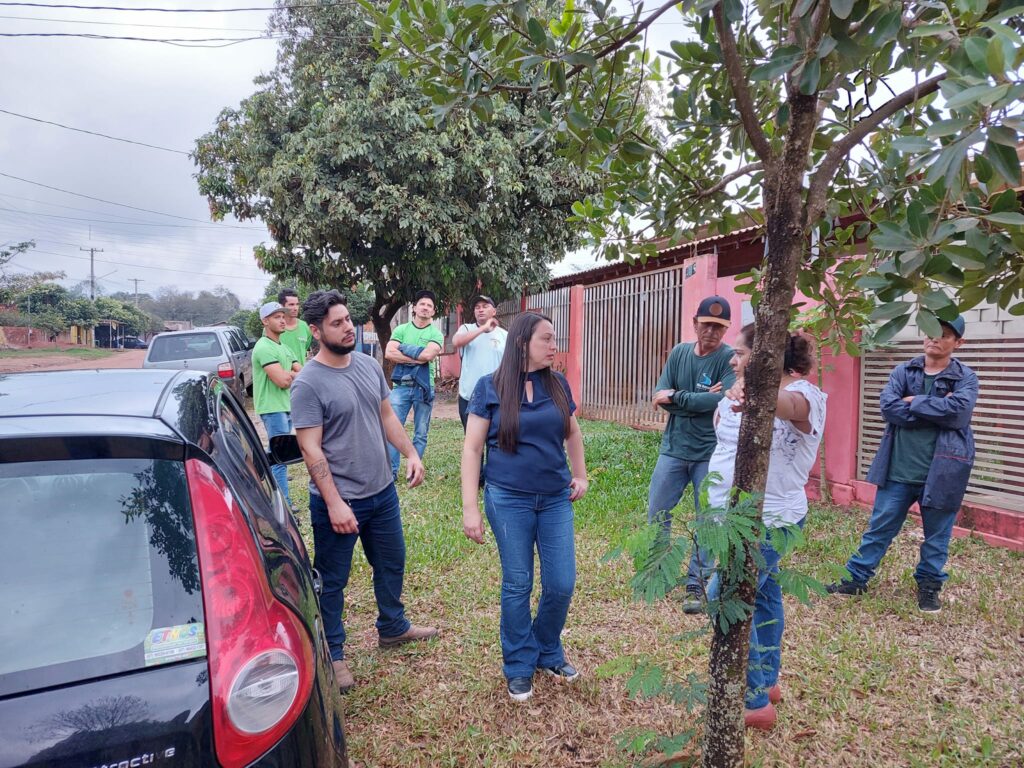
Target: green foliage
(246, 320)
(928, 171)
(332, 153)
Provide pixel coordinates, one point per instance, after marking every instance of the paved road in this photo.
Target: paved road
(125, 358)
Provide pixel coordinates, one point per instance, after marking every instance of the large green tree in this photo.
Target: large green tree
(824, 121)
(332, 152)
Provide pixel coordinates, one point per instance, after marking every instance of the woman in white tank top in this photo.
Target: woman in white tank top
(799, 426)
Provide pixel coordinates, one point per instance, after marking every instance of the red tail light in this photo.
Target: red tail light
(260, 655)
(225, 370)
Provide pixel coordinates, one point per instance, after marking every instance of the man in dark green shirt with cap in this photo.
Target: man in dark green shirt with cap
(691, 384)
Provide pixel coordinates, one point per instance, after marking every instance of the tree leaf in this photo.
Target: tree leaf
(842, 8)
(810, 76)
(912, 144)
(964, 257)
(976, 95)
(537, 34)
(1010, 219)
(1001, 134)
(949, 127)
(890, 310)
(1004, 159)
(929, 324)
(891, 328)
(995, 57)
(782, 61)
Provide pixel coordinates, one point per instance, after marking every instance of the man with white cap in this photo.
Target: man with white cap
(274, 366)
(695, 377)
(481, 345)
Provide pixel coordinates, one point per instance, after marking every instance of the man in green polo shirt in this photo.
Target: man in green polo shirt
(413, 377)
(297, 336)
(273, 368)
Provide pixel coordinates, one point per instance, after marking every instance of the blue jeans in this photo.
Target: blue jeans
(764, 659)
(402, 400)
(891, 505)
(279, 424)
(380, 531)
(520, 521)
(669, 480)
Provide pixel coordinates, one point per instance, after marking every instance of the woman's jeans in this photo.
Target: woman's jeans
(380, 531)
(764, 660)
(279, 423)
(520, 521)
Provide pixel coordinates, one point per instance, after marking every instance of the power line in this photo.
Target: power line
(181, 42)
(146, 266)
(123, 205)
(92, 133)
(180, 10)
(135, 24)
(105, 221)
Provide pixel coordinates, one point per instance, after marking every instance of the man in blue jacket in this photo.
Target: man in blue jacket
(926, 455)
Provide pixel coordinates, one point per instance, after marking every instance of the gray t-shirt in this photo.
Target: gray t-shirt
(346, 403)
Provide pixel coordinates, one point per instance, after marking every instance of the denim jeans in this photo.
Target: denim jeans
(669, 480)
(520, 521)
(279, 424)
(380, 531)
(404, 399)
(892, 502)
(764, 659)
(463, 411)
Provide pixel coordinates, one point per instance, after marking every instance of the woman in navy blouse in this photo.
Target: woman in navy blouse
(523, 412)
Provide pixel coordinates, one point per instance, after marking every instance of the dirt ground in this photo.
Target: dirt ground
(124, 358)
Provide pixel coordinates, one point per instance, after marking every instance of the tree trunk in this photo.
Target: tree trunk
(785, 236)
(381, 315)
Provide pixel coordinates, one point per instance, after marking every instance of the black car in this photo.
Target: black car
(158, 602)
(134, 342)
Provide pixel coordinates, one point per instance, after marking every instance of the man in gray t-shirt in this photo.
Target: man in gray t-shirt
(343, 420)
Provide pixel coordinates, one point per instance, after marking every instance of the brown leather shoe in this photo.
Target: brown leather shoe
(412, 634)
(343, 676)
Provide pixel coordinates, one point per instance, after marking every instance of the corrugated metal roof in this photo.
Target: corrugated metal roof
(666, 256)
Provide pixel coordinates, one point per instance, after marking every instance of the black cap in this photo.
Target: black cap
(425, 295)
(486, 299)
(714, 309)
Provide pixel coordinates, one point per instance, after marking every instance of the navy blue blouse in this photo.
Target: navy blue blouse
(539, 464)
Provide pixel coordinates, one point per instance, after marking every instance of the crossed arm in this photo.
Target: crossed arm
(953, 411)
(394, 354)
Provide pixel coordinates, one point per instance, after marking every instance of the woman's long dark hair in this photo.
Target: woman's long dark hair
(510, 381)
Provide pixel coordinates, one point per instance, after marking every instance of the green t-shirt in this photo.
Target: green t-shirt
(298, 340)
(267, 397)
(914, 449)
(690, 432)
(407, 333)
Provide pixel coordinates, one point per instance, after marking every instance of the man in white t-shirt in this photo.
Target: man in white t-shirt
(481, 345)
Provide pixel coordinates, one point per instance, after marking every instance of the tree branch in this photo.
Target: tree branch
(728, 178)
(841, 149)
(738, 82)
(606, 51)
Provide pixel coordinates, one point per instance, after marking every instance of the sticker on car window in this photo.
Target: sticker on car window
(166, 644)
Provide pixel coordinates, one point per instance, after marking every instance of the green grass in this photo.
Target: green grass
(868, 681)
(78, 353)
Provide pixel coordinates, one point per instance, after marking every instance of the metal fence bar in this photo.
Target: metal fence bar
(630, 326)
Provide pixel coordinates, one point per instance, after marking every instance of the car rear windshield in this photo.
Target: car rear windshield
(99, 570)
(184, 346)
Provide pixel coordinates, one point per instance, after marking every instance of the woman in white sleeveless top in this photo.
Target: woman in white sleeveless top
(799, 426)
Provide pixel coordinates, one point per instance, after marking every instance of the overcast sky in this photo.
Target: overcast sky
(149, 92)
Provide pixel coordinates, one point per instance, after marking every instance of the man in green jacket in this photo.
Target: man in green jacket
(693, 381)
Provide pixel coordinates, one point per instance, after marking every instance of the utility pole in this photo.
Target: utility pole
(136, 281)
(92, 270)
